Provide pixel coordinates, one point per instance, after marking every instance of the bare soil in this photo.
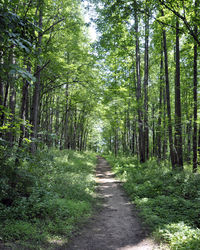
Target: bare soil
(116, 226)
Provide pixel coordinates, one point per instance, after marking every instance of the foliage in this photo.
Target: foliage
(53, 193)
(168, 201)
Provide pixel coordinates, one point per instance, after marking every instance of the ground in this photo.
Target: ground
(117, 225)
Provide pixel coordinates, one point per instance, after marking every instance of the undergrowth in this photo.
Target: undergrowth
(168, 201)
(44, 200)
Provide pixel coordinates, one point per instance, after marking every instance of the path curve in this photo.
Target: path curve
(116, 226)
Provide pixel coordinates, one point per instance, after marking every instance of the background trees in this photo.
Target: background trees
(152, 44)
(146, 58)
(46, 62)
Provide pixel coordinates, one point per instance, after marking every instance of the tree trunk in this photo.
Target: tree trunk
(199, 145)
(139, 99)
(74, 130)
(1, 92)
(66, 128)
(23, 108)
(153, 130)
(164, 137)
(168, 100)
(1, 101)
(36, 94)
(56, 125)
(160, 105)
(12, 101)
(146, 79)
(189, 137)
(178, 154)
(195, 106)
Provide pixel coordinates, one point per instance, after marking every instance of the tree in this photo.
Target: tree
(195, 101)
(178, 125)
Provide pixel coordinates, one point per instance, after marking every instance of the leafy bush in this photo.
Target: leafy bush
(18, 230)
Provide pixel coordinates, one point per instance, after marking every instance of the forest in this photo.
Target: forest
(130, 95)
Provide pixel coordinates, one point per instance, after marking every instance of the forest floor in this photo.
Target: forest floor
(116, 226)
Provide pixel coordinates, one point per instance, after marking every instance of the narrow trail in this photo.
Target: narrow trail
(116, 226)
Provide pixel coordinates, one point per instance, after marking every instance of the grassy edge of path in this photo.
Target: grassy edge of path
(56, 196)
(169, 202)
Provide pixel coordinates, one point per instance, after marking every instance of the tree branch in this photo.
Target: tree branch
(60, 85)
(52, 26)
(40, 69)
(183, 18)
(159, 21)
(29, 4)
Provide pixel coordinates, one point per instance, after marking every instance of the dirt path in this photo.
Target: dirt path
(116, 226)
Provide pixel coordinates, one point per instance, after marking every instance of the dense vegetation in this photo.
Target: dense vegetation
(132, 92)
(53, 192)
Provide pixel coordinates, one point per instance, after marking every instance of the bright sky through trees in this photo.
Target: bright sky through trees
(89, 13)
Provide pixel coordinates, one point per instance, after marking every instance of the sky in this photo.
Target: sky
(88, 14)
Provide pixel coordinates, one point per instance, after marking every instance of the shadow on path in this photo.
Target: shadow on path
(116, 226)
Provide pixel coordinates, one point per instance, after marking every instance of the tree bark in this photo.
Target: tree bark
(36, 94)
(160, 105)
(23, 108)
(178, 154)
(12, 101)
(168, 99)
(146, 79)
(195, 105)
(66, 128)
(138, 94)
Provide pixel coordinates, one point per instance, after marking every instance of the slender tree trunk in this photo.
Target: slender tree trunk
(115, 135)
(12, 100)
(178, 154)
(168, 100)
(160, 105)
(1, 101)
(1, 81)
(74, 130)
(82, 129)
(139, 99)
(164, 147)
(23, 108)
(195, 106)
(189, 137)
(62, 132)
(57, 123)
(146, 79)
(5, 102)
(199, 145)
(36, 94)
(110, 142)
(1, 92)
(133, 111)
(153, 130)
(133, 140)
(66, 116)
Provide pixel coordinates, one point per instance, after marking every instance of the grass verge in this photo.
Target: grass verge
(54, 193)
(169, 202)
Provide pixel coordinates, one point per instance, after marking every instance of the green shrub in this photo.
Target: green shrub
(20, 230)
